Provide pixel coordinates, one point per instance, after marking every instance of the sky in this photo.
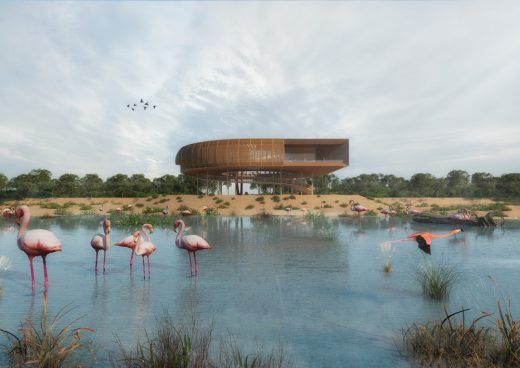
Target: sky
(416, 86)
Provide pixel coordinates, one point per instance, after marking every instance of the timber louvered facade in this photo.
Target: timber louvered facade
(263, 160)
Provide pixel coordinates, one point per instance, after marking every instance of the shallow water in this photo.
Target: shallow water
(265, 281)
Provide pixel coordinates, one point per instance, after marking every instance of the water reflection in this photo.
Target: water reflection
(267, 279)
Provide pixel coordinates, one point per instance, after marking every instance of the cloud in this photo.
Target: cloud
(415, 86)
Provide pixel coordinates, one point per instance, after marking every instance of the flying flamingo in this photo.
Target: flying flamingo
(144, 248)
(129, 242)
(423, 239)
(102, 242)
(356, 207)
(191, 243)
(35, 242)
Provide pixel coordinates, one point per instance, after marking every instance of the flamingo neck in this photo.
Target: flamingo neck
(25, 222)
(143, 230)
(179, 234)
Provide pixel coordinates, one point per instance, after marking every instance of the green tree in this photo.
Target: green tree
(91, 185)
(42, 179)
(22, 186)
(3, 186)
(118, 186)
(140, 186)
(167, 184)
(68, 185)
(457, 183)
(483, 185)
(508, 186)
(424, 184)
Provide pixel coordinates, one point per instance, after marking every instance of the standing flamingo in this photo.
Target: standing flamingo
(424, 239)
(35, 242)
(102, 242)
(356, 207)
(144, 248)
(191, 243)
(389, 211)
(411, 211)
(165, 211)
(129, 242)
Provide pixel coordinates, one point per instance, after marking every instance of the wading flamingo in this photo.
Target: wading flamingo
(165, 211)
(191, 243)
(144, 248)
(356, 207)
(35, 242)
(129, 242)
(411, 211)
(424, 239)
(8, 212)
(462, 214)
(102, 242)
(389, 211)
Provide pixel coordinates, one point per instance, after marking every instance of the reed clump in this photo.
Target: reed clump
(171, 345)
(450, 343)
(437, 281)
(47, 343)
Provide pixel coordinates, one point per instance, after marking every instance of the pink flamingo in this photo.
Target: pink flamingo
(129, 242)
(35, 242)
(356, 207)
(165, 211)
(424, 239)
(191, 243)
(102, 242)
(388, 211)
(411, 211)
(143, 249)
(8, 212)
(462, 214)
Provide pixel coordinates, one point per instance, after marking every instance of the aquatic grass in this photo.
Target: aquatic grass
(449, 343)
(62, 212)
(150, 210)
(50, 205)
(168, 345)
(85, 207)
(133, 220)
(47, 343)
(437, 281)
(190, 345)
(211, 211)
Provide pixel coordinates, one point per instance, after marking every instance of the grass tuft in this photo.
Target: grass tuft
(437, 280)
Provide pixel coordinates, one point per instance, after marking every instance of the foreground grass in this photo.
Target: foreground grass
(47, 343)
(450, 343)
(171, 345)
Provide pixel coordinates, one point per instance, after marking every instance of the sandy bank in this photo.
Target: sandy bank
(247, 205)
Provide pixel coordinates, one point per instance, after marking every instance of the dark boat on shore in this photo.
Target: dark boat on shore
(488, 220)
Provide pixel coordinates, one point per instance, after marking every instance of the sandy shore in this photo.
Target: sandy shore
(247, 205)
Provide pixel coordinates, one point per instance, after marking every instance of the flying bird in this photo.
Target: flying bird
(154, 106)
(141, 100)
(35, 243)
(146, 103)
(424, 239)
(191, 243)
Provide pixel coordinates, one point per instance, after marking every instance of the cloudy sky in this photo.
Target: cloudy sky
(417, 86)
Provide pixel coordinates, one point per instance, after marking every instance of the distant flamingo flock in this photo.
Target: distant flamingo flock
(40, 243)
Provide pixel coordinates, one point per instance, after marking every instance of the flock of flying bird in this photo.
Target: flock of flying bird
(40, 243)
(144, 104)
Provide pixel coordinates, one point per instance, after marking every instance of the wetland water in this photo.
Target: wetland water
(265, 281)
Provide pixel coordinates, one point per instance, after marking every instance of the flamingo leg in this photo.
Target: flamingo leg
(95, 268)
(196, 264)
(144, 268)
(104, 261)
(132, 258)
(148, 265)
(32, 272)
(45, 272)
(191, 267)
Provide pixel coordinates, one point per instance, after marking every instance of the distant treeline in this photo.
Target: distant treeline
(458, 183)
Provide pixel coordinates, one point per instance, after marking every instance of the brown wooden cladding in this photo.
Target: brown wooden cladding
(213, 158)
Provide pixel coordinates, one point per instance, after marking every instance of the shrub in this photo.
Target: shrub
(275, 198)
(149, 210)
(85, 207)
(343, 205)
(182, 207)
(249, 207)
(200, 196)
(218, 200)
(211, 211)
(50, 205)
(303, 203)
(259, 199)
(139, 205)
(62, 212)
(292, 197)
